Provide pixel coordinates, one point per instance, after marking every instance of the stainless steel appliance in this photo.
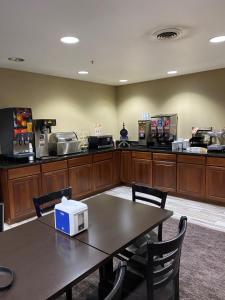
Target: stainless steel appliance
(42, 127)
(100, 142)
(144, 129)
(16, 132)
(63, 143)
(217, 140)
(200, 137)
(163, 131)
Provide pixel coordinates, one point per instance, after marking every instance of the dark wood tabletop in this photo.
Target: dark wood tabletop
(45, 261)
(114, 223)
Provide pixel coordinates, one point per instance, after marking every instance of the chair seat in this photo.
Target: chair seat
(135, 289)
(141, 243)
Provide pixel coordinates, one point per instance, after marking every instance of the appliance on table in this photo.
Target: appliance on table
(42, 127)
(100, 142)
(163, 131)
(144, 130)
(201, 137)
(16, 132)
(217, 140)
(71, 217)
(63, 143)
(123, 138)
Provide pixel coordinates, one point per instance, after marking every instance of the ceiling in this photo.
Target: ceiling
(115, 34)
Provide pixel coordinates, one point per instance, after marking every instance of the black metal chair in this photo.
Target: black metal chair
(47, 202)
(160, 268)
(155, 197)
(116, 292)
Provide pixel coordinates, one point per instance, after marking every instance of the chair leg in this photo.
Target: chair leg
(69, 294)
(176, 287)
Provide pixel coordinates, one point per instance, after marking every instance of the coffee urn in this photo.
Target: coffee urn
(42, 127)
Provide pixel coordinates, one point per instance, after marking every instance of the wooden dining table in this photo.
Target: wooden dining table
(47, 262)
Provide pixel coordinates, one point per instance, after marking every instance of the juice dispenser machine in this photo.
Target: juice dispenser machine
(16, 132)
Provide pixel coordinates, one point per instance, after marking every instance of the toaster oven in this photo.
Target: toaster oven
(100, 142)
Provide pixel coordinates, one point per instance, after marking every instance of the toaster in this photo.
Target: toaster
(63, 143)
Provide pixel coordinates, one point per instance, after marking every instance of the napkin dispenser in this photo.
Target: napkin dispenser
(71, 217)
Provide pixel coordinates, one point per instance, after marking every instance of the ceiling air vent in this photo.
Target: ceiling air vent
(167, 34)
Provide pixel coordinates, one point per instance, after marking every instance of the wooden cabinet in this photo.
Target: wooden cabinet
(20, 185)
(102, 171)
(126, 167)
(164, 172)
(54, 176)
(80, 176)
(191, 176)
(116, 167)
(142, 167)
(215, 179)
(21, 193)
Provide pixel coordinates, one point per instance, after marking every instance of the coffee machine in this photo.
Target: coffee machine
(42, 127)
(16, 132)
(144, 130)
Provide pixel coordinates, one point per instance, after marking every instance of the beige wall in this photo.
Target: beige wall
(76, 105)
(198, 99)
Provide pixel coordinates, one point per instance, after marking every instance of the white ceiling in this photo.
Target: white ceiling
(116, 34)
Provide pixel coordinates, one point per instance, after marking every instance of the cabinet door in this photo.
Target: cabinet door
(21, 193)
(80, 179)
(191, 179)
(102, 174)
(142, 171)
(164, 175)
(126, 167)
(215, 184)
(116, 167)
(54, 181)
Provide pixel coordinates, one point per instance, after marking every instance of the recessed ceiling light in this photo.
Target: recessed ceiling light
(217, 39)
(83, 72)
(69, 40)
(16, 59)
(172, 72)
(123, 80)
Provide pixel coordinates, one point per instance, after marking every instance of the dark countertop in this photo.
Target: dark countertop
(10, 164)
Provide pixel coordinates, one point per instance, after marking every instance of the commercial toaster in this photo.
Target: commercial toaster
(63, 143)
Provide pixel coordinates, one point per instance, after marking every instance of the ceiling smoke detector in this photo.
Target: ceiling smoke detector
(167, 34)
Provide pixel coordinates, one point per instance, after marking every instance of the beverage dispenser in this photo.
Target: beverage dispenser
(163, 131)
(16, 132)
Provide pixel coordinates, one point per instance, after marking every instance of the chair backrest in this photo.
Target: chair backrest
(161, 196)
(1, 217)
(41, 203)
(164, 260)
(116, 292)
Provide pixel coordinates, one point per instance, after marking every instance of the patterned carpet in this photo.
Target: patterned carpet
(202, 272)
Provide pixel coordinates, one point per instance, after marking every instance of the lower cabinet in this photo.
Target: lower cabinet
(164, 175)
(102, 174)
(126, 167)
(21, 193)
(215, 179)
(191, 175)
(54, 176)
(116, 167)
(54, 181)
(191, 180)
(164, 172)
(80, 179)
(142, 167)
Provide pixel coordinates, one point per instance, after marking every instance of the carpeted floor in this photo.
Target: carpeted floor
(202, 273)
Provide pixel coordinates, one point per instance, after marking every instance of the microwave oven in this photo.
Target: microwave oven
(100, 142)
